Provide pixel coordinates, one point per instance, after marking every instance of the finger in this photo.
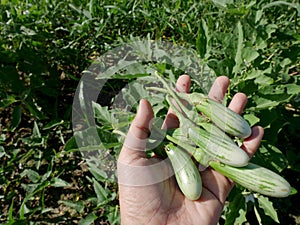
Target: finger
(140, 126)
(219, 88)
(238, 102)
(251, 144)
(182, 85)
(134, 168)
(135, 141)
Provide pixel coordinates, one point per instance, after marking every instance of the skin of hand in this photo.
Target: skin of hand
(162, 202)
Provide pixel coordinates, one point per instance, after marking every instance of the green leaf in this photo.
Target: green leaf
(100, 192)
(102, 114)
(132, 71)
(263, 103)
(278, 3)
(271, 157)
(222, 3)
(122, 119)
(113, 71)
(268, 208)
(264, 80)
(10, 213)
(114, 215)
(237, 208)
(71, 144)
(201, 40)
(270, 29)
(30, 188)
(34, 109)
(46, 210)
(133, 93)
(16, 117)
(88, 139)
(293, 191)
(5, 102)
(31, 174)
(2, 151)
(99, 174)
(48, 173)
(53, 124)
(82, 100)
(36, 131)
(128, 76)
(249, 54)
(292, 89)
(238, 55)
(87, 14)
(88, 220)
(252, 119)
(258, 15)
(108, 139)
(78, 206)
(253, 74)
(58, 182)
(241, 219)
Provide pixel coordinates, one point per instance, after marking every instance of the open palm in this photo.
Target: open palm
(162, 202)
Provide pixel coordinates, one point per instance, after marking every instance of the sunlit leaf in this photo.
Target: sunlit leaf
(252, 119)
(238, 55)
(102, 114)
(268, 208)
(88, 220)
(2, 151)
(78, 206)
(53, 124)
(292, 89)
(31, 174)
(58, 182)
(100, 191)
(271, 157)
(98, 173)
(263, 103)
(249, 54)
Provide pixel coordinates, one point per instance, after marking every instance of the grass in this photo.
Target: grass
(45, 46)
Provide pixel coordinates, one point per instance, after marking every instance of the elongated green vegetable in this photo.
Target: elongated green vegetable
(226, 119)
(186, 172)
(210, 146)
(255, 178)
(199, 155)
(205, 147)
(221, 149)
(213, 129)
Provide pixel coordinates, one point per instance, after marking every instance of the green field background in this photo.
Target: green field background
(45, 46)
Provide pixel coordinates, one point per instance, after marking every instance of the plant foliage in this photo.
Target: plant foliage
(45, 177)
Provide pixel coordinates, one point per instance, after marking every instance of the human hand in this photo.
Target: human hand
(162, 202)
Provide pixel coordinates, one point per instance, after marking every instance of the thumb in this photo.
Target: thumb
(135, 141)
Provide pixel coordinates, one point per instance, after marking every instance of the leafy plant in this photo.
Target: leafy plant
(45, 46)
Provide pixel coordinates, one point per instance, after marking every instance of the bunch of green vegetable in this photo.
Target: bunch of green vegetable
(208, 133)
